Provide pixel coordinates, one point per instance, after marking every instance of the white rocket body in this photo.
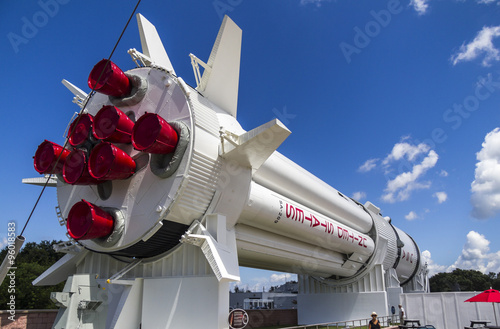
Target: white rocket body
(232, 194)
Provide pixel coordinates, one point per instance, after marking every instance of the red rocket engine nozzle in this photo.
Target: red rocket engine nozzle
(112, 125)
(75, 170)
(153, 134)
(88, 221)
(80, 129)
(108, 162)
(107, 78)
(46, 157)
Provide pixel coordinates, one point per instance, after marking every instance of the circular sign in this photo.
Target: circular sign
(237, 319)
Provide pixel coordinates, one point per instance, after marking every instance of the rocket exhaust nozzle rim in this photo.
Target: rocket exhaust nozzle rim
(112, 125)
(153, 134)
(108, 162)
(46, 157)
(108, 79)
(87, 221)
(80, 129)
(75, 170)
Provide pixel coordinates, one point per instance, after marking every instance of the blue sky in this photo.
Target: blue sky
(395, 102)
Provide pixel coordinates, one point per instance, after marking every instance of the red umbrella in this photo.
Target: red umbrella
(488, 296)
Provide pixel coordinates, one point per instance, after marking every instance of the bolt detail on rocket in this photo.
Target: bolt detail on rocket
(164, 195)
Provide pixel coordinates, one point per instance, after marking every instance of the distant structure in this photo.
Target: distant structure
(164, 195)
(281, 297)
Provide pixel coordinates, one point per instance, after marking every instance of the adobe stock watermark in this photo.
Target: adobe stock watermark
(31, 26)
(222, 7)
(11, 274)
(283, 115)
(372, 29)
(455, 116)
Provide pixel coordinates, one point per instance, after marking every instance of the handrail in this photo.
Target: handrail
(387, 320)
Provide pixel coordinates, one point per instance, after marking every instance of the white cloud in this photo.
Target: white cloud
(431, 265)
(399, 188)
(420, 6)
(485, 188)
(405, 150)
(368, 165)
(3, 242)
(475, 255)
(441, 196)
(318, 3)
(487, 2)
(359, 195)
(411, 216)
(481, 45)
(443, 173)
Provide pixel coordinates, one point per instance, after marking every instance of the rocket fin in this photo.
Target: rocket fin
(152, 45)
(220, 83)
(252, 148)
(40, 181)
(60, 271)
(220, 252)
(80, 95)
(74, 89)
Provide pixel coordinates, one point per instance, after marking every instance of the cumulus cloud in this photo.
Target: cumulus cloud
(411, 216)
(441, 196)
(481, 45)
(405, 150)
(432, 267)
(476, 255)
(368, 165)
(420, 6)
(359, 195)
(400, 188)
(485, 188)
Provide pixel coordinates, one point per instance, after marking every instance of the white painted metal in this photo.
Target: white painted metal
(41, 181)
(409, 257)
(152, 45)
(9, 262)
(284, 176)
(272, 212)
(447, 310)
(268, 251)
(220, 83)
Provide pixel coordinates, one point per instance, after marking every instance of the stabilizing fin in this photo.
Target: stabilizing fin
(220, 82)
(152, 45)
(252, 148)
(80, 95)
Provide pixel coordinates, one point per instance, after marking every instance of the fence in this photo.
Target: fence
(384, 321)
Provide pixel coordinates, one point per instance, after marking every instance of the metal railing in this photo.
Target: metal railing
(384, 321)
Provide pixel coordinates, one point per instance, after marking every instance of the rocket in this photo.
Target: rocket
(154, 172)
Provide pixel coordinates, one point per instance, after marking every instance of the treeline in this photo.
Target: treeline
(464, 280)
(32, 260)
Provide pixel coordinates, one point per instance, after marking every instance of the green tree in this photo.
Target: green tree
(32, 260)
(461, 280)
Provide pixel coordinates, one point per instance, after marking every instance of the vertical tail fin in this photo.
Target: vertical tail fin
(220, 84)
(152, 45)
